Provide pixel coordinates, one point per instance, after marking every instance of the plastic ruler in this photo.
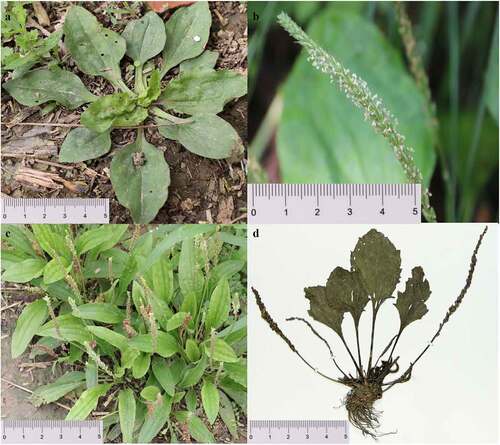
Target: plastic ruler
(55, 211)
(333, 203)
(298, 431)
(51, 431)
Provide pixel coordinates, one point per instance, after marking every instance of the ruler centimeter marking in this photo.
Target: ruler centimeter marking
(55, 210)
(334, 203)
(51, 431)
(298, 431)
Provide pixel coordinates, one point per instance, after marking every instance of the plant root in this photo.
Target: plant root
(359, 405)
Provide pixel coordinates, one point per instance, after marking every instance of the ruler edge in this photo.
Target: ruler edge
(415, 189)
(8, 201)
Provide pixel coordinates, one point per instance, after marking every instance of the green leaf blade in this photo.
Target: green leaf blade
(126, 411)
(82, 144)
(87, 402)
(31, 319)
(42, 85)
(210, 400)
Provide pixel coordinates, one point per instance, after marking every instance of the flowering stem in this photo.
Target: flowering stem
(375, 112)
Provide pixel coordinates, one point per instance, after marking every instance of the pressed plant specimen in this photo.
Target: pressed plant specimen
(372, 280)
(185, 109)
(146, 324)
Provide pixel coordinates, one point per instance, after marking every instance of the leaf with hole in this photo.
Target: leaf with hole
(42, 85)
(96, 50)
(140, 178)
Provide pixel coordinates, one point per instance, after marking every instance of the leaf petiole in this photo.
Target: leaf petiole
(174, 119)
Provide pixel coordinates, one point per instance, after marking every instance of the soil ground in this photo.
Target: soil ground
(201, 190)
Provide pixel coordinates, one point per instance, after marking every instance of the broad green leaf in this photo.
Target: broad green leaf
(235, 332)
(164, 375)
(205, 61)
(203, 92)
(56, 269)
(160, 279)
(65, 327)
(345, 292)
(199, 431)
(218, 307)
(24, 271)
(226, 413)
(42, 85)
(234, 390)
(192, 350)
(51, 238)
(179, 234)
(220, 351)
(190, 304)
(150, 393)
(208, 135)
(43, 346)
(126, 411)
(155, 421)
(91, 374)
(224, 271)
(491, 80)
(166, 344)
(237, 371)
(378, 263)
(96, 50)
(101, 115)
(152, 91)
(62, 386)
(113, 338)
(128, 357)
(320, 309)
(140, 178)
(411, 303)
(103, 312)
(145, 37)
(191, 279)
(322, 137)
(193, 375)
(11, 258)
(104, 237)
(210, 400)
(82, 144)
(187, 34)
(87, 402)
(28, 323)
(141, 365)
(191, 400)
(19, 237)
(177, 320)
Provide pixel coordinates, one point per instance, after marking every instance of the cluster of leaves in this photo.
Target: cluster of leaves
(372, 279)
(139, 172)
(151, 321)
(28, 49)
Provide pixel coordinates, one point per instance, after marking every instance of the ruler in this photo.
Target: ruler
(298, 431)
(55, 211)
(51, 431)
(333, 203)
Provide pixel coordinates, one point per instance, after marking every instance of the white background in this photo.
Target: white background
(452, 395)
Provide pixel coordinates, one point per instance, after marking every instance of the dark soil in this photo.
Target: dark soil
(201, 190)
